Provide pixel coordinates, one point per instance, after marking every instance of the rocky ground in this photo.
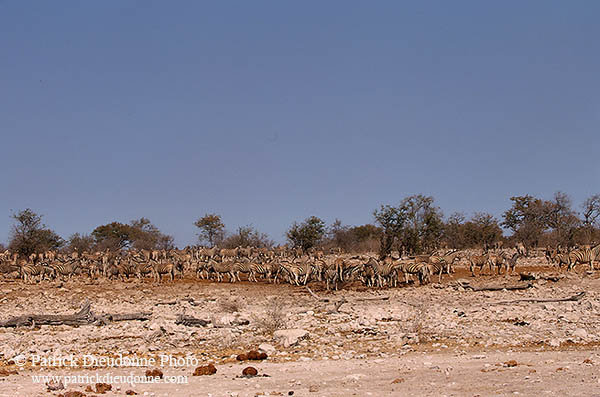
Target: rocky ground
(438, 339)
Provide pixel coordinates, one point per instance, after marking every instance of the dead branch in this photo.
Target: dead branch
(315, 295)
(337, 305)
(84, 317)
(190, 321)
(495, 287)
(175, 302)
(573, 298)
(535, 276)
(379, 298)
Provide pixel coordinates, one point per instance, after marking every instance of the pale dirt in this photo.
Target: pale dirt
(431, 340)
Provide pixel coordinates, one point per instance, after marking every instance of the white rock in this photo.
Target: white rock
(267, 348)
(290, 337)
(580, 333)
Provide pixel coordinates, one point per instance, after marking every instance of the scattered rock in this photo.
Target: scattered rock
(313, 388)
(511, 363)
(6, 372)
(102, 388)
(250, 371)
(130, 393)
(289, 337)
(580, 333)
(154, 373)
(209, 369)
(267, 348)
(398, 380)
(54, 385)
(588, 361)
(72, 394)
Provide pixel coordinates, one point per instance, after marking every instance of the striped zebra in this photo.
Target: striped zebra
(295, 272)
(497, 260)
(560, 258)
(221, 269)
(263, 269)
(30, 271)
(127, 267)
(443, 263)
(160, 268)
(512, 262)
(242, 266)
(67, 269)
(585, 254)
(421, 269)
(478, 261)
(384, 271)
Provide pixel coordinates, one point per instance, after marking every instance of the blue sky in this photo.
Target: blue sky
(268, 112)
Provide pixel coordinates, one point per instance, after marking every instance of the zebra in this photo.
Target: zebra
(160, 268)
(584, 255)
(222, 268)
(31, 270)
(384, 271)
(295, 271)
(497, 260)
(421, 269)
(242, 267)
(264, 269)
(67, 269)
(512, 262)
(479, 261)
(560, 258)
(520, 247)
(443, 263)
(127, 267)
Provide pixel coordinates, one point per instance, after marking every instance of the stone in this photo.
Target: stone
(267, 348)
(209, 369)
(249, 371)
(580, 333)
(290, 337)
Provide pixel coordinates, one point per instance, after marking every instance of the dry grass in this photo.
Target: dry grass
(231, 305)
(274, 317)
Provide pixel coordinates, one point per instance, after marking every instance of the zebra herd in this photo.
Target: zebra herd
(583, 255)
(272, 265)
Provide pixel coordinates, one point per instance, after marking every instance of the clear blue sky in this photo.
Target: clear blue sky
(268, 112)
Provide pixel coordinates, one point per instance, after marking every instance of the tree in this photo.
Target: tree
(483, 230)
(29, 235)
(80, 243)
(306, 234)
(591, 216)
(247, 236)
(526, 218)
(416, 224)
(114, 236)
(531, 219)
(353, 238)
(211, 229)
(138, 234)
(147, 236)
(591, 210)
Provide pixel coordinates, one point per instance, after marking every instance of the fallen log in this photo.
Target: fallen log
(496, 287)
(535, 276)
(190, 321)
(573, 298)
(84, 317)
(379, 298)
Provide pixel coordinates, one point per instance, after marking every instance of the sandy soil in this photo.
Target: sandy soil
(439, 339)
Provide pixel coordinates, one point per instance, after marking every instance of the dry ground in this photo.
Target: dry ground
(429, 340)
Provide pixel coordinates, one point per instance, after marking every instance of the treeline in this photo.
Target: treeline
(415, 225)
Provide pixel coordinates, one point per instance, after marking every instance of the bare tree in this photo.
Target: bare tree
(29, 235)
